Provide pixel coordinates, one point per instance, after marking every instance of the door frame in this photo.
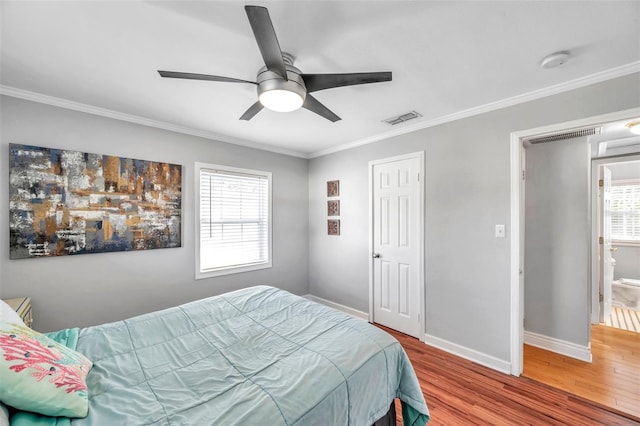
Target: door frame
(601, 258)
(420, 155)
(517, 157)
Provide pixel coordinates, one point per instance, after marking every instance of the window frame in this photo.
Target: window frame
(625, 242)
(235, 269)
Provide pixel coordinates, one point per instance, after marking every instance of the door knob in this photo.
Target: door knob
(376, 255)
(614, 249)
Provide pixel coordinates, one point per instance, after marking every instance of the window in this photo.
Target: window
(625, 213)
(233, 208)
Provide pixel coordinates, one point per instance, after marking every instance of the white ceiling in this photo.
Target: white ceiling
(448, 59)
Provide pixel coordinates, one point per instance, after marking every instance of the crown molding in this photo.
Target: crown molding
(104, 112)
(609, 74)
(599, 77)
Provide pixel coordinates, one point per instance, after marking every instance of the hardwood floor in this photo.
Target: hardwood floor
(612, 379)
(460, 392)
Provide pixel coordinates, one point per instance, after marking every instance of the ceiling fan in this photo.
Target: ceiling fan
(281, 86)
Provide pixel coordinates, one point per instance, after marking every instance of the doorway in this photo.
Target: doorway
(517, 220)
(556, 366)
(396, 283)
(616, 259)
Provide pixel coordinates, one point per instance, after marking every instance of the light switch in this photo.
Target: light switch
(500, 231)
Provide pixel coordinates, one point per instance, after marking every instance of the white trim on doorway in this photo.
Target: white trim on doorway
(517, 223)
(420, 155)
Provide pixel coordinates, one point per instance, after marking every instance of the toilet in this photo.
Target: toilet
(625, 293)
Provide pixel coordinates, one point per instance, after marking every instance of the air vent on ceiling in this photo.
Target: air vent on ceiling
(565, 135)
(402, 118)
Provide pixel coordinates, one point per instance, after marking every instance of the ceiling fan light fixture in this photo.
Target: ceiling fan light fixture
(634, 127)
(281, 95)
(281, 100)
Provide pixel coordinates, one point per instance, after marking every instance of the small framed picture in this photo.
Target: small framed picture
(333, 208)
(333, 226)
(333, 188)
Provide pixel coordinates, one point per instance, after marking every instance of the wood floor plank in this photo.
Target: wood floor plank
(612, 378)
(460, 392)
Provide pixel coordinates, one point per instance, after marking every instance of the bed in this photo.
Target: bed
(259, 355)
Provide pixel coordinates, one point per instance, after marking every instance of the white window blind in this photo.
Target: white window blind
(625, 213)
(234, 220)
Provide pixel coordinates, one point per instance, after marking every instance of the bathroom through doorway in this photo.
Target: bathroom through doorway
(616, 242)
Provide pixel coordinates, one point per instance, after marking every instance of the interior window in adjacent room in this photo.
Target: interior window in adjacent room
(625, 213)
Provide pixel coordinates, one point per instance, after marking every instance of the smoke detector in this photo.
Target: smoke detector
(554, 60)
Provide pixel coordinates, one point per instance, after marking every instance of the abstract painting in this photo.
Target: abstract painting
(64, 202)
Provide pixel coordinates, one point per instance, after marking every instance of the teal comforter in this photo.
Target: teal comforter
(257, 356)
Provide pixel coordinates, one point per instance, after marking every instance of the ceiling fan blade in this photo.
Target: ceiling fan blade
(313, 105)
(191, 76)
(266, 38)
(252, 111)
(315, 82)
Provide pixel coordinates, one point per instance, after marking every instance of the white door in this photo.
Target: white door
(605, 260)
(397, 244)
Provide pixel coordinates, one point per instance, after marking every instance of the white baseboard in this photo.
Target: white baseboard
(347, 310)
(562, 347)
(453, 348)
(470, 354)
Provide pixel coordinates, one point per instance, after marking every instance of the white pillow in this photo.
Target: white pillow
(7, 314)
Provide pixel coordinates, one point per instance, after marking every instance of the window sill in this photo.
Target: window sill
(626, 243)
(200, 275)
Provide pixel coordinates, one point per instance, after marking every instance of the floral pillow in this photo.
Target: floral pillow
(39, 374)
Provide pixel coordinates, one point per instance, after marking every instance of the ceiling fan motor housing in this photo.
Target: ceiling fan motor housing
(269, 80)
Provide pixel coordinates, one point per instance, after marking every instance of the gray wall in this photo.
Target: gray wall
(467, 194)
(556, 265)
(627, 257)
(629, 170)
(627, 262)
(89, 289)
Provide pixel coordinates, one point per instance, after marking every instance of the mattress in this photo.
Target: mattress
(254, 356)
